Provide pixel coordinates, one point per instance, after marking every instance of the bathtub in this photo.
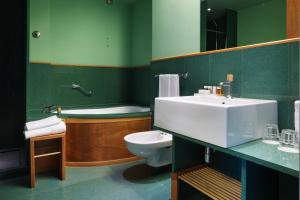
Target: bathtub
(95, 136)
(107, 111)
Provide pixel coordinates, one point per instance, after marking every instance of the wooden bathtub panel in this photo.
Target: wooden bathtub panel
(101, 140)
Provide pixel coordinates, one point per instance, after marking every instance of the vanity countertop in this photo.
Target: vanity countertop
(260, 153)
(269, 156)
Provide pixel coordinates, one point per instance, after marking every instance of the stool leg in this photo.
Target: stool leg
(32, 164)
(174, 186)
(62, 167)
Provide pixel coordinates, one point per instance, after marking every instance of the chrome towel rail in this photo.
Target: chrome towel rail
(184, 75)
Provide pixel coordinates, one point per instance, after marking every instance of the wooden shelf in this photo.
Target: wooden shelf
(213, 183)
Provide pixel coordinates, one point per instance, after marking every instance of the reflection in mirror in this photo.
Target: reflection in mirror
(233, 23)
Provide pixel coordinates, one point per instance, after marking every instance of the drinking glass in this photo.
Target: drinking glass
(271, 134)
(289, 141)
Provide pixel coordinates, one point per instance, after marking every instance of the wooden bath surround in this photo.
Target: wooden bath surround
(97, 142)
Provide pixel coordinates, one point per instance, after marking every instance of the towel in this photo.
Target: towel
(168, 85)
(50, 121)
(58, 128)
(297, 110)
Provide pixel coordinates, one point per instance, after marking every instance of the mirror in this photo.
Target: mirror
(233, 23)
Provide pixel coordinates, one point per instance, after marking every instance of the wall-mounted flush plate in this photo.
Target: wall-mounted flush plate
(36, 34)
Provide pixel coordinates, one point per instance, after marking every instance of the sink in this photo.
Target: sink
(215, 120)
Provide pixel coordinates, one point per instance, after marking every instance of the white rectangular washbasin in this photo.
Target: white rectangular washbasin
(216, 120)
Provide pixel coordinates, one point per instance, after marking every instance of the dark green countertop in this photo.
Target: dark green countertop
(269, 156)
(259, 153)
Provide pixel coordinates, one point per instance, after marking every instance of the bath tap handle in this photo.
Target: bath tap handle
(75, 86)
(81, 89)
(49, 109)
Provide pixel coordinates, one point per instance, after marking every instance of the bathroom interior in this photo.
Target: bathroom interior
(150, 99)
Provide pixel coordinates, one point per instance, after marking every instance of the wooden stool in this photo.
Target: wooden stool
(38, 151)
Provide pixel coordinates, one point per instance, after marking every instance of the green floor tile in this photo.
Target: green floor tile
(132, 181)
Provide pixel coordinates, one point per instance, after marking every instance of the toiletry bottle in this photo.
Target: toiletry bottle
(219, 91)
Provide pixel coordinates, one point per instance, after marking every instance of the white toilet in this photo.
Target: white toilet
(154, 146)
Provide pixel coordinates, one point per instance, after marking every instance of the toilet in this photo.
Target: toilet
(154, 146)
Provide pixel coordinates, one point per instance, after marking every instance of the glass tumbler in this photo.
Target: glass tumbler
(289, 141)
(271, 134)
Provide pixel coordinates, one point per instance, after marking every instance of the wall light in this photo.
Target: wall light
(109, 2)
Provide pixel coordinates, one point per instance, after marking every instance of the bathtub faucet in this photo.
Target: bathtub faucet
(49, 109)
(81, 89)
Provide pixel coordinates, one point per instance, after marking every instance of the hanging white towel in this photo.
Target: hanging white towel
(58, 128)
(168, 85)
(297, 110)
(50, 121)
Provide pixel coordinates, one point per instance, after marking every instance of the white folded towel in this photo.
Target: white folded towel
(168, 85)
(58, 128)
(50, 121)
(297, 110)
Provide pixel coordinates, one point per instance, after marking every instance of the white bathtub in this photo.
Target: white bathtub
(105, 111)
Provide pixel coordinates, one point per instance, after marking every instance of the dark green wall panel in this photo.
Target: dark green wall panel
(39, 86)
(109, 86)
(265, 71)
(270, 72)
(294, 69)
(51, 85)
(139, 86)
(227, 63)
(198, 69)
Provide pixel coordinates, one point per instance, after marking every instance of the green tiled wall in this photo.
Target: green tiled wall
(51, 85)
(109, 85)
(140, 86)
(270, 72)
(267, 72)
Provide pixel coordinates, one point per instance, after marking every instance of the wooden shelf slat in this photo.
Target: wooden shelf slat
(47, 154)
(222, 187)
(213, 183)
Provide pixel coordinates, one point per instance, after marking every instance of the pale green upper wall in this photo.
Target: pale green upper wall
(142, 33)
(39, 19)
(81, 32)
(175, 27)
(262, 23)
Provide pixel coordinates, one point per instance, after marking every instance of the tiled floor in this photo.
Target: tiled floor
(132, 181)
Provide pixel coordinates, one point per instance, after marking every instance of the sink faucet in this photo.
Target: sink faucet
(227, 86)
